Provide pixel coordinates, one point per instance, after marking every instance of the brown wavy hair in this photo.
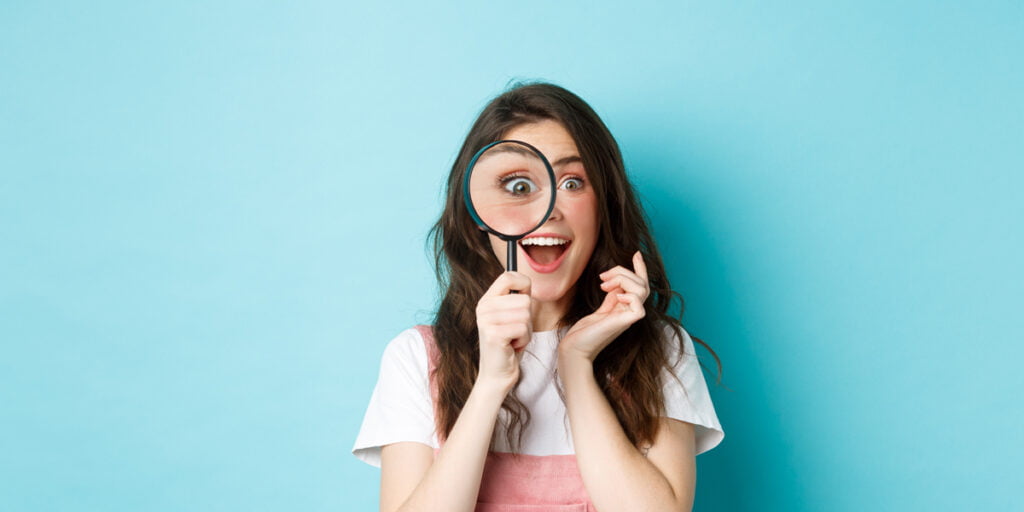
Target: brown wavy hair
(629, 369)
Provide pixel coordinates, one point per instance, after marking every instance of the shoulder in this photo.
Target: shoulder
(407, 349)
(678, 343)
(400, 407)
(686, 393)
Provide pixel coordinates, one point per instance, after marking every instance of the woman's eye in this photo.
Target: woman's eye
(519, 186)
(572, 184)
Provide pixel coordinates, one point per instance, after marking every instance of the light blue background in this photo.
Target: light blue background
(213, 218)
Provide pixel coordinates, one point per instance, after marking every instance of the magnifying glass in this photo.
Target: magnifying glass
(510, 191)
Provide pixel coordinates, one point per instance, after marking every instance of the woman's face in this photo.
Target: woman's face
(554, 255)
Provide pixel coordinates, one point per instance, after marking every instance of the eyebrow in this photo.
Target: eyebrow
(515, 148)
(566, 160)
(510, 148)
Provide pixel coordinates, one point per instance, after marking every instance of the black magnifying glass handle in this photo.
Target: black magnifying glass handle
(510, 259)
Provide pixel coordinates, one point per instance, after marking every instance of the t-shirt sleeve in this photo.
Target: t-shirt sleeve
(400, 407)
(687, 399)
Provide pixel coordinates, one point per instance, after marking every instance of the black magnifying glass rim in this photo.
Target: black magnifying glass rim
(469, 199)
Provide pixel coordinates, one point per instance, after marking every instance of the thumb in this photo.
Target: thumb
(611, 300)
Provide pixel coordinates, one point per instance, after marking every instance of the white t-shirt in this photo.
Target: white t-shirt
(401, 408)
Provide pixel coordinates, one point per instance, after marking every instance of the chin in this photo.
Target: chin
(543, 295)
(548, 292)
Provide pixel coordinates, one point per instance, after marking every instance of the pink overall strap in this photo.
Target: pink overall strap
(427, 333)
(524, 483)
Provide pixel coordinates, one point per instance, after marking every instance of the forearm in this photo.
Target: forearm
(453, 480)
(616, 475)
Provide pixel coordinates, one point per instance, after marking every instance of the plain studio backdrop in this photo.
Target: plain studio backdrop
(213, 217)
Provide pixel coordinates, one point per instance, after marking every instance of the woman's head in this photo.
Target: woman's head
(596, 217)
(572, 225)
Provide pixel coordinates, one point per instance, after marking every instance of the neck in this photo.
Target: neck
(547, 314)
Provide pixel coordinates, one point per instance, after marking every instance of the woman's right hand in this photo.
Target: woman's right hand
(504, 321)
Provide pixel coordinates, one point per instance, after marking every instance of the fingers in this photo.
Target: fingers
(513, 310)
(507, 282)
(518, 334)
(505, 326)
(633, 304)
(626, 290)
(504, 318)
(521, 341)
(611, 300)
(626, 283)
(640, 269)
(640, 266)
(504, 303)
(619, 277)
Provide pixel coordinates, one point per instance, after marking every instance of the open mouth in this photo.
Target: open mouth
(545, 253)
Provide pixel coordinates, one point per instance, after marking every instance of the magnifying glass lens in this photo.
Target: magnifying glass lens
(510, 188)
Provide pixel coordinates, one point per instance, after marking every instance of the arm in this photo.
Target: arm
(413, 480)
(617, 476)
(451, 481)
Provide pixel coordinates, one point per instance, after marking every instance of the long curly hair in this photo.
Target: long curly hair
(629, 370)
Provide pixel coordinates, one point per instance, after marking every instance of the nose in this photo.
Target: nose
(556, 213)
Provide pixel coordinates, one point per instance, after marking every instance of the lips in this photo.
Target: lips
(545, 243)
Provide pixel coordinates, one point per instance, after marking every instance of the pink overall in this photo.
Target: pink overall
(549, 483)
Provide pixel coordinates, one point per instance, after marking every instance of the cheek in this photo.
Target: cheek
(497, 245)
(584, 215)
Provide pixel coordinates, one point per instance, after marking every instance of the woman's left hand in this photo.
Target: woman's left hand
(622, 307)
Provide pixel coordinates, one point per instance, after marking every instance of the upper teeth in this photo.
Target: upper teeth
(544, 240)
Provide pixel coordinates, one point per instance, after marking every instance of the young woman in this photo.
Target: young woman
(579, 393)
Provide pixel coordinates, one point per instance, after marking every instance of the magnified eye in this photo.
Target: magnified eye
(519, 185)
(572, 184)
